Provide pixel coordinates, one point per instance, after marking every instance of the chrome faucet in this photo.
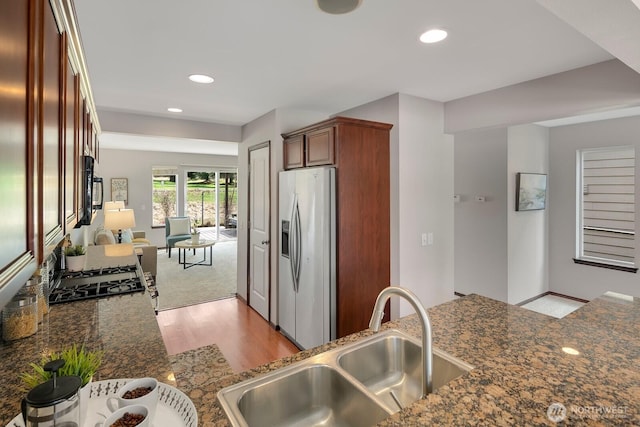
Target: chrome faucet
(427, 357)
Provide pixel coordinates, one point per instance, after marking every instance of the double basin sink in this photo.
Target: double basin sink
(359, 384)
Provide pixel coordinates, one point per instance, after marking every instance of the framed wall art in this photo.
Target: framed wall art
(531, 191)
(120, 190)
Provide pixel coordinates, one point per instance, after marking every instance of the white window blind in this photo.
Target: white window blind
(607, 206)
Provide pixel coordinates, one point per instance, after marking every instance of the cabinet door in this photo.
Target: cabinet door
(17, 257)
(294, 152)
(71, 150)
(49, 130)
(320, 147)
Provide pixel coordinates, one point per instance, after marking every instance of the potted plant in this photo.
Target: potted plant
(77, 361)
(75, 256)
(195, 236)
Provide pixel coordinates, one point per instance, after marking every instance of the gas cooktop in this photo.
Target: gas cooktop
(98, 283)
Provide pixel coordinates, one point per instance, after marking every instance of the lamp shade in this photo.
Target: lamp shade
(119, 219)
(118, 250)
(109, 206)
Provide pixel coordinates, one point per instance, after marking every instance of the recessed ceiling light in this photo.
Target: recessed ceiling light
(433, 36)
(200, 78)
(174, 110)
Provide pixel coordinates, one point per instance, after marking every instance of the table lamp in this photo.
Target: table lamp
(109, 206)
(119, 219)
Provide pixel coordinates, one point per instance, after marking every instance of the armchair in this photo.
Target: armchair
(176, 228)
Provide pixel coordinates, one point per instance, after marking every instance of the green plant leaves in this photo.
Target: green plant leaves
(78, 361)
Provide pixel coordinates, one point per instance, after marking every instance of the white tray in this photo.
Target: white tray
(174, 409)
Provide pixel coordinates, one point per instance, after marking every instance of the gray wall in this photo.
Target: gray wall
(481, 230)
(527, 250)
(565, 276)
(595, 88)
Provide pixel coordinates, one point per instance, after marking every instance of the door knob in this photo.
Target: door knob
(265, 242)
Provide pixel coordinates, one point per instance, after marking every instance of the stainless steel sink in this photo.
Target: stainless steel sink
(391, 367)
(312, 395)
(358, 384)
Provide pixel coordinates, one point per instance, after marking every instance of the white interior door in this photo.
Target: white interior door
(259, 230)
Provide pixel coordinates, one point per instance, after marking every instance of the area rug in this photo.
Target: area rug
(180, 287)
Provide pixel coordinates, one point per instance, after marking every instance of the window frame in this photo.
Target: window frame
(580, 257)
(174, 172)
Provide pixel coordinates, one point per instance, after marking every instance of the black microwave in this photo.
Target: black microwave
(92, 192)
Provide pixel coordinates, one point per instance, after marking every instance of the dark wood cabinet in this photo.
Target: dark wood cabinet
(313, 148)
(17, 253)
(294, 152)
(71, 152)
(49, 129)
(319, 147)
(360, 151)
(42, 74)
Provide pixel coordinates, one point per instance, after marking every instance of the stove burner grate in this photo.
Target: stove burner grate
(88, 284)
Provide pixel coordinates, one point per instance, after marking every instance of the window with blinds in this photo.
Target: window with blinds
(607, 206)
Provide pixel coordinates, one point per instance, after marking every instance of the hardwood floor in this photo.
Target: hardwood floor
(243, 336)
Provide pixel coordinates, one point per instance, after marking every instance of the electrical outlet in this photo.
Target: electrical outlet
(430, 239)
(424, 239)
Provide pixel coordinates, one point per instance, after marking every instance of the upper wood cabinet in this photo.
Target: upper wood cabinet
(17, 247)
(71, 151)
(294, 152)
(312, 148)
(359, 149)
(49, 140)
(319, 147)
(42, 75)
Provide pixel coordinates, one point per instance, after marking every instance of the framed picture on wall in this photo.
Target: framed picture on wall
(531, 191)
(119, 190)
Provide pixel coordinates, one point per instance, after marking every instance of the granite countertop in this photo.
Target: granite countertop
(520, 368)
(124, 327)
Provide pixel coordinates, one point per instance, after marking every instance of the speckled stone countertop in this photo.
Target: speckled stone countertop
(124, 327)
(520, 369)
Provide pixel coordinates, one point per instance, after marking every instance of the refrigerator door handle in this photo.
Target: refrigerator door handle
(298, 251)
(292, 245)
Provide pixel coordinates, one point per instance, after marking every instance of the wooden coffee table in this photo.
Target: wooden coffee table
(185, 245)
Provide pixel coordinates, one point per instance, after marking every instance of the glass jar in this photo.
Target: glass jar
(35, 287)
(20, 317)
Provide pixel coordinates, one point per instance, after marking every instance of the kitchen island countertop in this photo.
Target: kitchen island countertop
(520, 368)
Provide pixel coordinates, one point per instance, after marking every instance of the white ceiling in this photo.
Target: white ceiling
(268, 54)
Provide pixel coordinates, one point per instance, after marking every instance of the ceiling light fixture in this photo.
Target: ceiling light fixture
(337, 7)
(174, 110)
(201, 78)
(433, 36)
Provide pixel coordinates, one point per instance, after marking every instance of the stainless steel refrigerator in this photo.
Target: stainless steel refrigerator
(307, 259)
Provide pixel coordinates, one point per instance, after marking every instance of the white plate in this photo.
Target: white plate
(174, 409)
